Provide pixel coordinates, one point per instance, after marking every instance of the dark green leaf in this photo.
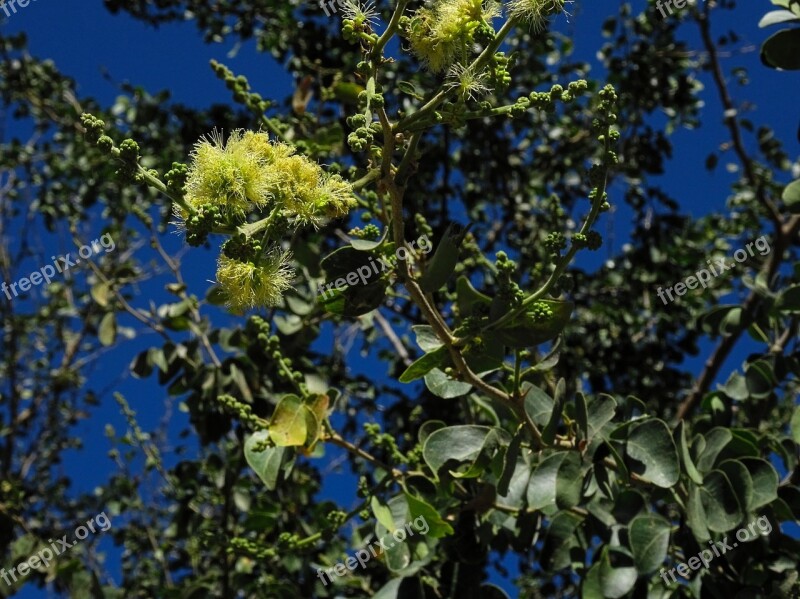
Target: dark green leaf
(422, 366)
(652, 452)
(444, 260)
(461, 444)
(722, 509)
(443, 386)
(266, 464)
(538, 404)
(686, 458)
(715, 441)
(765, 482)
(438, 527)
(557, 480)
(549, 432)
(469, 300)
(782, 50)
(521, 332)
(559, 540)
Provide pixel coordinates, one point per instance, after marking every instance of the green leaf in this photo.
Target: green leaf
(461, 444)
(722, 509)
(427, 339)
(521, 332)
(538, 404)
(428, 428)
(653, 453)
(487, 356)
(560, 540)
(266, 464)
(443, 386)
(408, 88)
(686, 458)
(141, 366)
(216, 296)
(107, 331)
(557, 480)
(774, 17)
(760, 379)
(795, 425)
(101, 293)
(719, 318)
(391, 590)
(438, 527)
(400, 588)
(298, 304)
(444, 260)
(345, 260)
(629, 504)
(490, 591)
(782, 50)
(789, 300)
(289, 424)
(736, 387)
(397, 554)
(582, 415)
(316, 413)
(741, 482)
(468, 299)
(600, 411)
(715, 441)
(696, 515)
(591, 588)
(765, 482)
(510, 462)
(382, 513)
(791, 197)
(549, 432)
(422, 366)
(363, 299)
(617, 574)
(156, 358)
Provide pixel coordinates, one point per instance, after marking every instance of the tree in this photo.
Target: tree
(533, 408)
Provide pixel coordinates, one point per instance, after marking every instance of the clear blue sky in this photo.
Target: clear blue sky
(85, 42)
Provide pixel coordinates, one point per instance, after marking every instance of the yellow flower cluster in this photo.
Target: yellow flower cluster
(251, 171)
(443, 33)
(251, 284)
(229, 180)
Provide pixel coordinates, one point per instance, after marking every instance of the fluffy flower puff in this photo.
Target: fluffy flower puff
(468, 84)
(536, 12)
(442, 34)
(230, 176)
(250, 171)
(255, 284)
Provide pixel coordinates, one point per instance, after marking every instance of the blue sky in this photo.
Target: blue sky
(91, 45)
